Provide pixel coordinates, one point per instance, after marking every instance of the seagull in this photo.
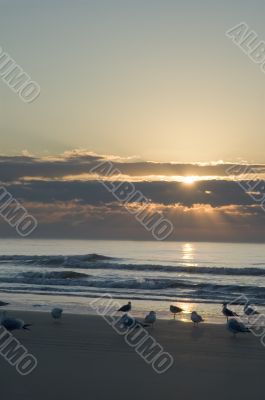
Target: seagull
(11, 324)
(150, 318)
(248, 310)
(228, 313)
(126, 308)
(196, 318)
(175, 310)
(236, 327)
(56, 313)
(129, 322)
(2, 304)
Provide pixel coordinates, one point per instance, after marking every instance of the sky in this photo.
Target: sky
(154, 86)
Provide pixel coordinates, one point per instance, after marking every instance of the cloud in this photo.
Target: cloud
(209, 209)
(200, 222)
(77, 163)
(215, 193)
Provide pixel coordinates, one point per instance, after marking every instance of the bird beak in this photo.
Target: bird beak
(26, 327)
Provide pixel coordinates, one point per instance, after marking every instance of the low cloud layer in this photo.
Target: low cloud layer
(77, 163)
(214, 207)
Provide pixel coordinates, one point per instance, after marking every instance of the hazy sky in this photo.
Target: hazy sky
(156, 79)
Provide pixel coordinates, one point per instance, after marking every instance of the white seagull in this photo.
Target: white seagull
(196, 318)
(56, 313)
(12, 324)
(248, 310)
(150, 318)
(235, 326)
(129, 322)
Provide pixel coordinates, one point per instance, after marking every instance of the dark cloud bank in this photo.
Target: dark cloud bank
(216, 210)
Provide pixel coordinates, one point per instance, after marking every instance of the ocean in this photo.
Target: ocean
(40, 274)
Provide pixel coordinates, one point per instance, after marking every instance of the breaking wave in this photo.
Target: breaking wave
(90, 274)
(97, 261)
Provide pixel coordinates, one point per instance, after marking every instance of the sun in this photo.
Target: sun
(189, 180)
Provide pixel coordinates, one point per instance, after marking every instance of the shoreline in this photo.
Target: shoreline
(15, 312)
(183, 318)
(211, 312)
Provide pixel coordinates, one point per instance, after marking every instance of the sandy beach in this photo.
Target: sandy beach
(82, 357)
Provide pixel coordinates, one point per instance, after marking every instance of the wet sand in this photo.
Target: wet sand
(82, 357)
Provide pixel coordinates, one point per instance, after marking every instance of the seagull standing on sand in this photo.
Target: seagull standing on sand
(130, 322)
(196, 318)
(236, 327)
(56, 313)
(126, 308)
(127, 321)
(228, 313)
(12, 324)
(175, 310)
(248, 310)
(150, 318)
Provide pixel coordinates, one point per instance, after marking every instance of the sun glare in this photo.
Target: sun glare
(189, 180)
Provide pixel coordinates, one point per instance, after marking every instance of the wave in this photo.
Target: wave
(185, 269)
(130, 290)
(52, 275)
(65, 278)
(97, 261)
(59, 260)
(118, 295)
